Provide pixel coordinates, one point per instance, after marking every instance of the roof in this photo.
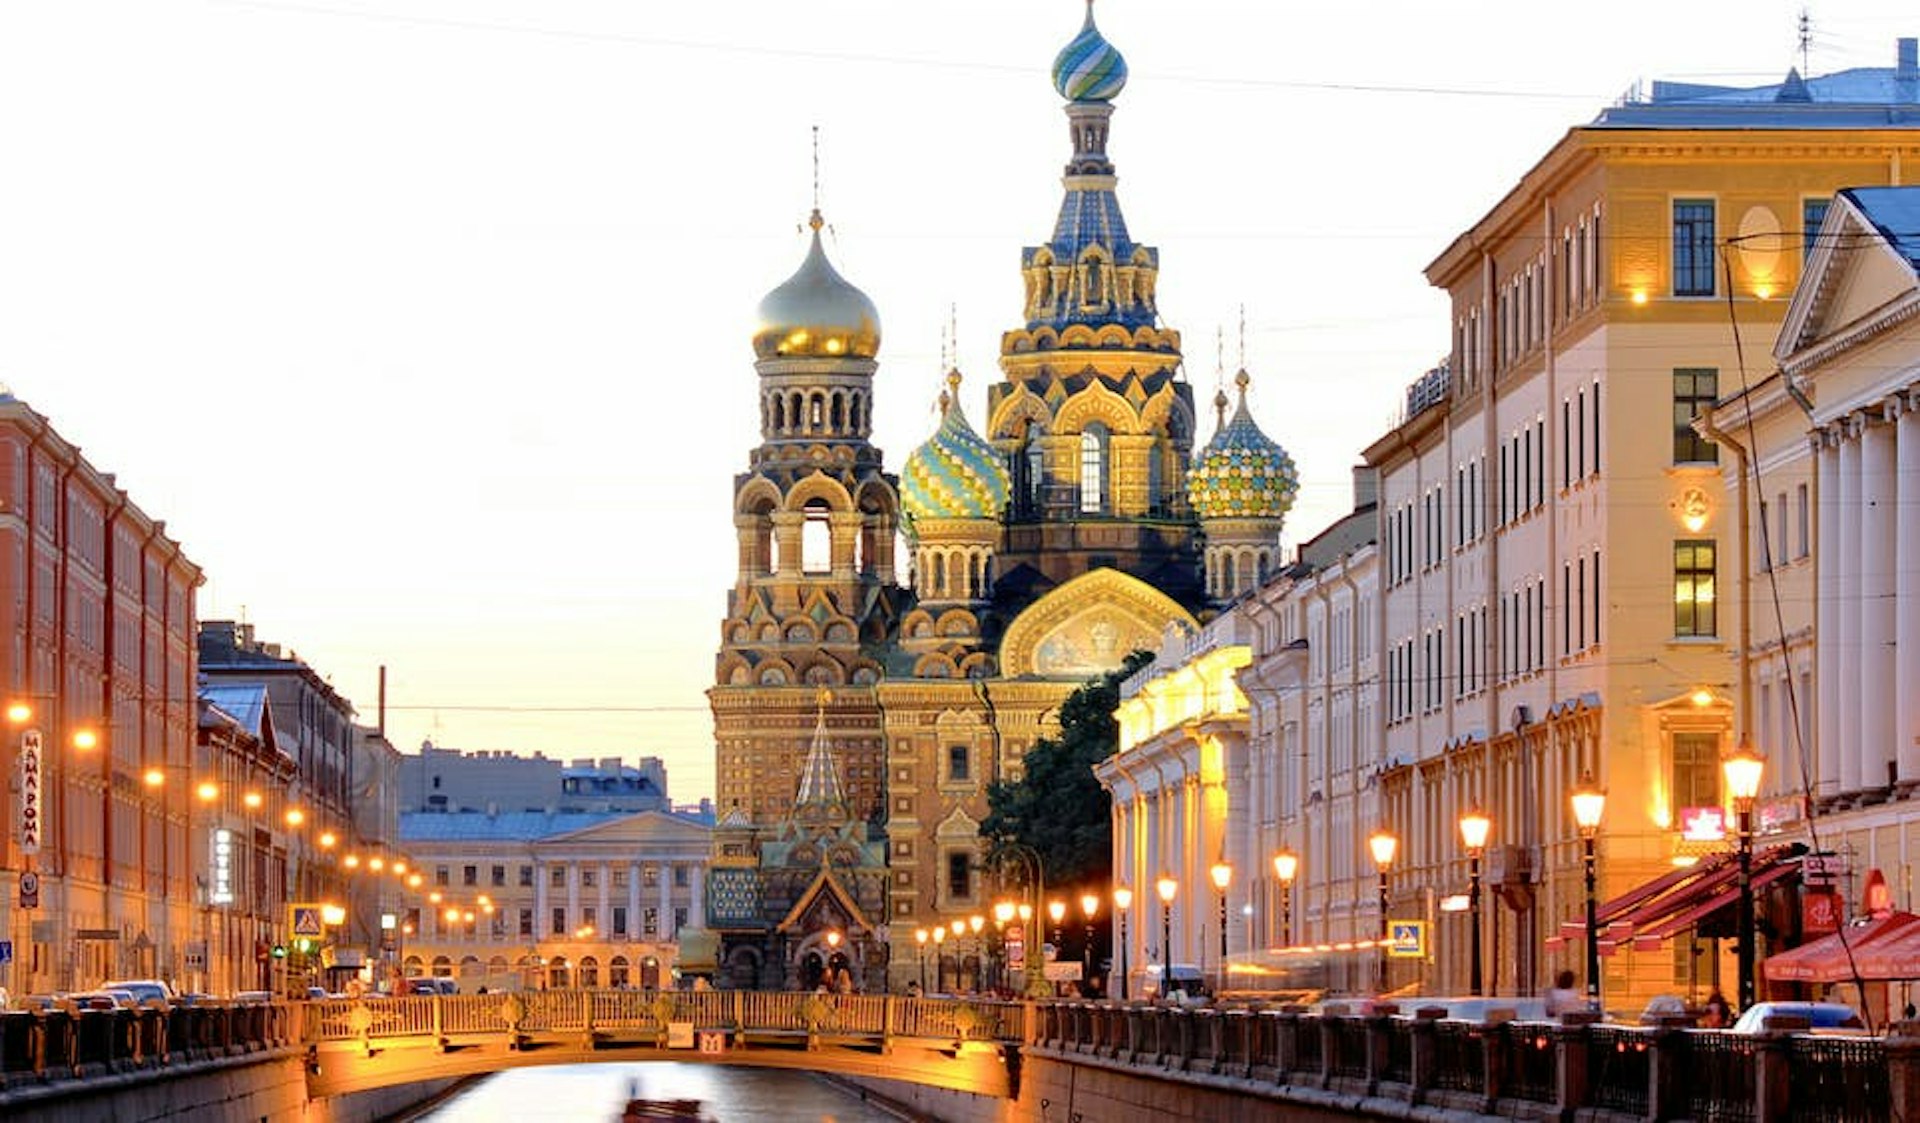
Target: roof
(511, 826)
(1834, 957)
(244, 702)
(1860, 98)
(1895, 214)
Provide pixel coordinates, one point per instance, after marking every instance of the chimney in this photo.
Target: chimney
(1366, 486)
(1906, 73)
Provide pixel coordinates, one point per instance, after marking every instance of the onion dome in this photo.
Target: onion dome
(956, 474)
(1241, 474)
(817, 313)
(1089, 68)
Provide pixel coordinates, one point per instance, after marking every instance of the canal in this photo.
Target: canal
(597, 1093)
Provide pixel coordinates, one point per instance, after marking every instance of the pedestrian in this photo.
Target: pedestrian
(1562, 998)
(1716, 1014)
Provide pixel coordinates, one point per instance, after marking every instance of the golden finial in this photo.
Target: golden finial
(1240, 381)
(824, 697)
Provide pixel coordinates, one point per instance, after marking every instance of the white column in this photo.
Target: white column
(1827, 625)
(1877, 604)
(540, 912)
(573, 896)
(697, 913)
(1906, 600)
(665, 931)
(633, 901)
(602, 918)
(1851, 604)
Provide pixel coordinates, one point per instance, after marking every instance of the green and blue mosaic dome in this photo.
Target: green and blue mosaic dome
(1089, 68)
(1241, 474)
(956, 474)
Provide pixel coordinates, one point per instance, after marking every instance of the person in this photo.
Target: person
(1716, 1014)
(913, 989)
(1562, 998)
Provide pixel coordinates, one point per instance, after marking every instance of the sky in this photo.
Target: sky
(425, 324)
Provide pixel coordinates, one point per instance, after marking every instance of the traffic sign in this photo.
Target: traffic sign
(306, 921)
(1407, 939)
(6, 951)
(29, 889)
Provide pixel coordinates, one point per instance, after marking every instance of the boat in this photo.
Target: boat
(688, 1111)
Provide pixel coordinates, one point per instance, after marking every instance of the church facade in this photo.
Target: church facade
(859, 721)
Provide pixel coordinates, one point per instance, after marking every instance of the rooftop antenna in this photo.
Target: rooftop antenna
(1243, 337)
(816, 168)
(1806, 38)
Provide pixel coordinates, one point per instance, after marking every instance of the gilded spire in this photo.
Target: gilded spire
(819, 776)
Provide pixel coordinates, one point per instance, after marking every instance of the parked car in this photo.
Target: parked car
(252, 997)
(101, 1000)
(430, 985)
(1184, 982)
(142, 989)
(1821, 1016)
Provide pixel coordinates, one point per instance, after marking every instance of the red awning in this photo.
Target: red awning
(1826, 959)
(1895, 957)
(1653, 935)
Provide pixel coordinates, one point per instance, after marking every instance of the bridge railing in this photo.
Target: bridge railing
(40, 1046)
(1510, 1068)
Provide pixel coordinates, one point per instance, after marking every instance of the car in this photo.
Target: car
(1819, 1015)
(1185, 982)
(142, 990)
(101, 1000)
(252, 997)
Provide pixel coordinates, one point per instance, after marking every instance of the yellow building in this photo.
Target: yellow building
(1556, 537)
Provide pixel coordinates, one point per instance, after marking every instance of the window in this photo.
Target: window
(1693, 587)
(557, 876)
(1694, 388)
(958, 763)
(959, 875)
(816, 539)
(526, 922)
(441, 876)
(619, 920)
(682, 877)
(1693, 240)
(526, 876)
(589, 879)
(1093, 465)
(679, 917)
(619, 877)
(559, 920)
(1696, 770)
(1813, 213)
(649, 921)
(1800, 521)
(470, 875)
(650, 877)
(499, 877)
(588, 917)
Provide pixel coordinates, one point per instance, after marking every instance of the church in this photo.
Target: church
(859, 721)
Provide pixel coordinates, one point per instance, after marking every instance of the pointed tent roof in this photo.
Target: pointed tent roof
(820, 776)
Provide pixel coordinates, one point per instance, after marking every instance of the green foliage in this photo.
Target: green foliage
(1057, 807)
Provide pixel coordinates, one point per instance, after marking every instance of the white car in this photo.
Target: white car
(142, 990)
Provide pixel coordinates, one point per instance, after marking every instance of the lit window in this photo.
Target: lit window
(1693, 247)
(1693, 595)
(1093, 469)
(1694, 389)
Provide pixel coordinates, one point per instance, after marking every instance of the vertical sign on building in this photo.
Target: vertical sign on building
(32, 806)
(222, 892)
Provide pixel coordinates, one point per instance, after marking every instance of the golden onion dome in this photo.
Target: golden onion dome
(817, 313)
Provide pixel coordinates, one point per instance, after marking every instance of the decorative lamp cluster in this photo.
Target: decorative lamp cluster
(1089, 68)
(817, 313)
(956, 474)
(1241, 473)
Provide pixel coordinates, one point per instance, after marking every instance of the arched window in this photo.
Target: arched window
(816, 416)
(1093, 469)
(1156, 502)
(816, 539)
(1036, 468)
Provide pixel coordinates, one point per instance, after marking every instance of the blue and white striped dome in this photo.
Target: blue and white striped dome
(1241, 474)
(1089, 68)
(956, 474)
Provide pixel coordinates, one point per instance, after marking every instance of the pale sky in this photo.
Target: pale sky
(425, 324)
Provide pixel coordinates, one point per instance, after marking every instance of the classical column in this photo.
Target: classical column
(1851, 605)
(602, 918)
(633, 899)
(697, 913)
(1876, 600)
(1827, 627)
(540, 912)
(1906, 599)
(573, 895)
(665, 931)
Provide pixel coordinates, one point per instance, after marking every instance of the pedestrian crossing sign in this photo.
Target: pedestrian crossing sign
(1407, 939)
(306, 921)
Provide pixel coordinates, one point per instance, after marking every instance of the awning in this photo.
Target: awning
(1826, 959)
(1655, 911)
(1896, 957)
(1653, 936)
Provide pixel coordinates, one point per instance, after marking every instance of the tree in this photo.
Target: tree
(1057, 806)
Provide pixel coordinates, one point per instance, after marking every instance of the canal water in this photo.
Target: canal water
(597, 1093)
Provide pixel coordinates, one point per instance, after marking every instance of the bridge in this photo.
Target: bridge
(957, 1044)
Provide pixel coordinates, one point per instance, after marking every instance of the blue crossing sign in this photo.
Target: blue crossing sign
(1407, 939)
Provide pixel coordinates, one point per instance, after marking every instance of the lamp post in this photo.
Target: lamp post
(939, 958)
(1382, 845)
(1222, 874)
(920, 937)
(1122, 901)
(1285, 865)
(1589, 804)
(1743, 768)
(1089, 905)
(1474, 827)
(1167, 887)
(1003, 916)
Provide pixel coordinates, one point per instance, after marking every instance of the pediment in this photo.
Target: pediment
(825, 903)
(1088, 626)
(1853, 279)
(651, 828)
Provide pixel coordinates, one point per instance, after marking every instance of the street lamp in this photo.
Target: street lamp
(1382, 845)
(1743, 769)
(1222, 873)
(920, 936)
(1122, 901)
(1089, 905)
(1285, 865)
(1167, 887)
(1474, 827)
(939, 958)
(1589, 804)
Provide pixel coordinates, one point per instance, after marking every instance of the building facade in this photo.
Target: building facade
(532, 900)
(437, 779)
(1043, 549)
(97, 605)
